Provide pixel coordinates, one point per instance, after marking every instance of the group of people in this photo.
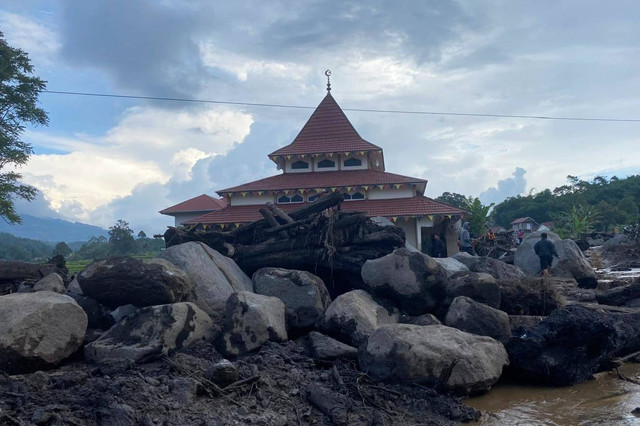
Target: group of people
(544, 248)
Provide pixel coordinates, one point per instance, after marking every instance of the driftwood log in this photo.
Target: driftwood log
(12, 274)
(318, 237)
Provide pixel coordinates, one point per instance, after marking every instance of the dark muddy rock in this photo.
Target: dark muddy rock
(529, 296)
(521, 324)
(38, 330)
(413, 280)
(326, 348)
(98, 316)
(477, 318)
(215, 277)
(118, 281)
(152, 332)
(437, 355)
(353, 316)
(304, 295)
(627, 295)
(572, 344)
(250, 321)
(497, 268)
(223, 373)
(426, 319)
(480, 287)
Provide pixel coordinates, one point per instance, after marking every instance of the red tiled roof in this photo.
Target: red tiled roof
(308, 180)
(395, 207)
(327, 130)
(201, 203)
(523, 220)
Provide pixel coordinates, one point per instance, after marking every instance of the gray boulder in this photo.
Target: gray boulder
(499, 269)
(118, 281)
(304, 295)
(215, 277)
(74, 287)
(52, 282)
(329, 349)
(477, 318)
(465, 258)
(38, 330)
(571, 262)
(451, 265)
(150, 333)
(426, 319)
(353, 316)
(97, 315)
(439, 356)
(251, 320)
(478, 286)
(415, 281)
(616, 240)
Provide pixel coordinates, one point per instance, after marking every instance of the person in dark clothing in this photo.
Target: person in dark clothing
(545, 251)
(439, 249)
(464, 241)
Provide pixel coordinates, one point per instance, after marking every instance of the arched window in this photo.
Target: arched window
(297, 198)
(352, 162)
(324, 164)
(357, 196)
(347, 196)
(312, 198)
(300, 165)
(284, 199)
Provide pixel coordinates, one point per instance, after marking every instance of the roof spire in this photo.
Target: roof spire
(328, 74)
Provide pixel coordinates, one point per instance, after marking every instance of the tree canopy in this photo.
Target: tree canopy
(121, 237)
(19, 91)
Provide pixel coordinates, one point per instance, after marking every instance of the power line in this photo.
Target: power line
(387, 111)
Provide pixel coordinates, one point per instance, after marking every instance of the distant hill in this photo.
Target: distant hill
(23, 249)
(53, 230)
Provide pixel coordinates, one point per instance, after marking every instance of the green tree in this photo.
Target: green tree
(121, 238)
(456, 200)
(141, 234)
(19, 91)
(62, 249)
(95, 248)
(479, 220)
(577, 222)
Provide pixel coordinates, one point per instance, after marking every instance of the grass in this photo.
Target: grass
(75, 266)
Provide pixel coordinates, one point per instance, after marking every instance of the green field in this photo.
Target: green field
(75, 266)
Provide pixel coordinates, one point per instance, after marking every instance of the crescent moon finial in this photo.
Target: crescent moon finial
(328, 74)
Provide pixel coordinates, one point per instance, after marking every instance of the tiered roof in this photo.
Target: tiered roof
(328, 130)
(418, 206)
(201, 203)
(332, 179)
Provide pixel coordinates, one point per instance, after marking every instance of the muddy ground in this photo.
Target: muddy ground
(278, 385)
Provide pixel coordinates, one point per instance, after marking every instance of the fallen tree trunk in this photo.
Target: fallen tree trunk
(317, 237)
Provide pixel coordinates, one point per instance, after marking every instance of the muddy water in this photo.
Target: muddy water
(607, 400)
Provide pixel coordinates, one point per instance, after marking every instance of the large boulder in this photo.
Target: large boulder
(52, 282)
(329, 349)
(304, 295)
(98, 316)
(571, 262)
(480, 287)
(451, 265)
(499, 269)
(353, 316)
(251, 320)
(439, 356)
(572, 344)
(530, 296)
(215, 277)
(627, 295)
(118, 281)
(152, 332)
(415, 281)
(477, 318)
(38, 330)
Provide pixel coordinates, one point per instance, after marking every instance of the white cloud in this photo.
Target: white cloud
(35, 37)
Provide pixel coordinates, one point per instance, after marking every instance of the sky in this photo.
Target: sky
(106, 158)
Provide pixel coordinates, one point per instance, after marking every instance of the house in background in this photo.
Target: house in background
(525, 223)
(194, 207)
(328, 155)
(546, 226)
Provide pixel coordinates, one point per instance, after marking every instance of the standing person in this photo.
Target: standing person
(545, 251)
(491, 237)
(439, 250)
(520, 236)
(465, 239)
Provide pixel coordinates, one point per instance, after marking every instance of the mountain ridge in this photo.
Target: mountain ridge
(52, 229)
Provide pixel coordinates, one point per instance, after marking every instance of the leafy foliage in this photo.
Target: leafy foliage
(141, 234)
(121, 238)
(454, 199)
(63, 249)
(19, 92)
(576, 222)
(23, 249)
(479, 220)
